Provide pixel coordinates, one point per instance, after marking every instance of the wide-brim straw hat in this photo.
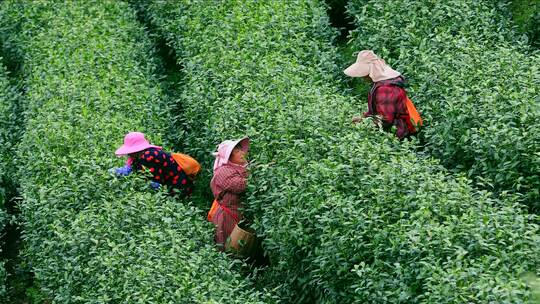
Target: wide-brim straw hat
(134, 142)
(369, 64)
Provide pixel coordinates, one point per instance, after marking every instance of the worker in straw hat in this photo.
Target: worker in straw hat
(387, 99)
(228, 186)
(162, 165)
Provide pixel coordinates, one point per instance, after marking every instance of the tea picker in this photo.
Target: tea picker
(174, 170)
(228, 187)
(388, 103)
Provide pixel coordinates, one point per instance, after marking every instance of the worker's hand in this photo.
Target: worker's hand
(356, 119)
(122, 171)
(155, 185)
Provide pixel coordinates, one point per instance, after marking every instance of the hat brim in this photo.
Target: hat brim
(357, 70)
(125, 150)
(244, 145)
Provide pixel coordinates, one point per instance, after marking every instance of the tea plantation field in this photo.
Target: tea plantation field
(88, 75)
(346, 213)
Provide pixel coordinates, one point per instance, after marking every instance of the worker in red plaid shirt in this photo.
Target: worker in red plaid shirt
(387, 97)
(229, 185)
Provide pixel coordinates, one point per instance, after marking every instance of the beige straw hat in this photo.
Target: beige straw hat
(369, 64)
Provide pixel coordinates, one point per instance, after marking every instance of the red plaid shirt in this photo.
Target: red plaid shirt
(387, 98)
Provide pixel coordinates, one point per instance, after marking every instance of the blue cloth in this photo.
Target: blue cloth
(122, 171)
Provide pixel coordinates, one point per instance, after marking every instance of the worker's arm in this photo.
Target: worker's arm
(236, 184)
(230, 180)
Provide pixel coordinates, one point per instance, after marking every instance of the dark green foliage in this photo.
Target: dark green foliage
(348, 214)
(526, 15)
(90, 237)
(3, 274)
(475, 83)
(8, 134)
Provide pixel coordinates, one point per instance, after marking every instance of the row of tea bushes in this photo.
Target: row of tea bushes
(477, 86)
(8, 98)
(90, 237)
(348, 214)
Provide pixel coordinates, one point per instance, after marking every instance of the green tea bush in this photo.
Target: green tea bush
(3, 274)
(475, 83)
(348, 214)
(5, 109)
(90, 237)
(526, 15)
(8, 132)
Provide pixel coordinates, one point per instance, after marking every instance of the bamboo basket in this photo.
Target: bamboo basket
(242, 241)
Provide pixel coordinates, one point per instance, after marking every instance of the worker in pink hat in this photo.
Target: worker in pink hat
(387, 97)
(144, 156)
(228, 186)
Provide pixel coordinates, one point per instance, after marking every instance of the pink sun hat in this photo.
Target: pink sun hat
(225, 149)
(134, 142)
